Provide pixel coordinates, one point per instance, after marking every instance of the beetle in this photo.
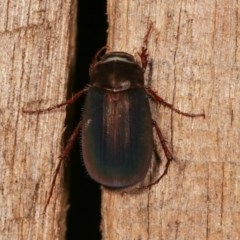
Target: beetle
(116, 127)
(117, 136)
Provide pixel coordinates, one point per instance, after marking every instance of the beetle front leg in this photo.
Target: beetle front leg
(143, 53)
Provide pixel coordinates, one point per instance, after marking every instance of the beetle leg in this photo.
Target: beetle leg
(68, 102)
(64, 154)
(167, 153)
(144, 58)
(96, 57)
(70, 142)
(143, 53)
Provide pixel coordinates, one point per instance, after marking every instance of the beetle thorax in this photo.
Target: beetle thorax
(117, 72)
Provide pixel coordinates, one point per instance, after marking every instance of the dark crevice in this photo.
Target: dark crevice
(83, 220)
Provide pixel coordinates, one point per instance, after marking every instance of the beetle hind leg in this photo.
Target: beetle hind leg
(167, 153)
(64, 154)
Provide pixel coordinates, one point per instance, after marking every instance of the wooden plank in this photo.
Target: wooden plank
(195, 59)
(36, 52)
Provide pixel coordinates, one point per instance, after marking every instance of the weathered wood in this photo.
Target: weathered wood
(195, 58)
(35, 56)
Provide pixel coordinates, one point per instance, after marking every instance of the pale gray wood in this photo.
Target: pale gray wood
(36, 49)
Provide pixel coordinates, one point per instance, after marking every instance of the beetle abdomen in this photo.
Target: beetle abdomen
(117, 141)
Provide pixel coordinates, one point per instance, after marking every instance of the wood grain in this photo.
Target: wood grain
(35, 56)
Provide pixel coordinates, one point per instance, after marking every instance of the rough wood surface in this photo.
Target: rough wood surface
(35, 56)
(195, 55)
